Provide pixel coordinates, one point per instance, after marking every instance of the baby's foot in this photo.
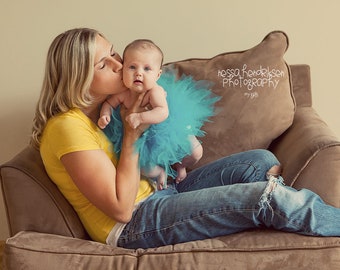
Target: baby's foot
(181, 173)
(161, 180)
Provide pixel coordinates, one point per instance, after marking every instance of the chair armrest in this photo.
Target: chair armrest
(32, 201)
(310, 155)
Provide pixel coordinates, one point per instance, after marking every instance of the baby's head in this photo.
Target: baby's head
(146, 45)
(142, 63)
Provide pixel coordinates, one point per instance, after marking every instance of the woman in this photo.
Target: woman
(115, 205)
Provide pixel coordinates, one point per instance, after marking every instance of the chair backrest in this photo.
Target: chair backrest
(33, 202)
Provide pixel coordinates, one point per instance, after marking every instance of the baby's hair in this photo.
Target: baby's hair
(145, 44)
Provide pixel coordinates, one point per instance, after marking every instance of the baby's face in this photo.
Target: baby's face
(141, 69)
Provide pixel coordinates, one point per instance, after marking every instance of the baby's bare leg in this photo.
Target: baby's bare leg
(196, 155)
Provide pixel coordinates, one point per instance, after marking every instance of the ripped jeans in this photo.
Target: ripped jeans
(230, 195)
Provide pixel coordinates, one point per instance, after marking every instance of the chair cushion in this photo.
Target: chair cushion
(256, 249)
(257, 103)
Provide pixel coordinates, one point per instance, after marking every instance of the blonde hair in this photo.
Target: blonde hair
(68, 75)
(145, 44)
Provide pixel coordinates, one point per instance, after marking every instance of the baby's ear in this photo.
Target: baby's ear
(159, 74)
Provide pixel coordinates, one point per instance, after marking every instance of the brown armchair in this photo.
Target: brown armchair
(47, 234)
(265, 104)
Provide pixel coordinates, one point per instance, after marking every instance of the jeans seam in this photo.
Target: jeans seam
(213, 212)
(228, 165)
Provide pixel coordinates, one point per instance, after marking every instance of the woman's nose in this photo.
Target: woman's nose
(116, 65)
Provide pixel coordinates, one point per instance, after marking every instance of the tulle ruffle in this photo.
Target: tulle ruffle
(190, 103)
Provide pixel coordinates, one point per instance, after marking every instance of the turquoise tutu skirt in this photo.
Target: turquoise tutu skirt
(190, 103)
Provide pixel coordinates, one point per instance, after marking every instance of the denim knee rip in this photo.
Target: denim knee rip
(266, 197)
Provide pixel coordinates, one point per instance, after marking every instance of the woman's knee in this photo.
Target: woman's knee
(265, 156)
(274, 171)
(267, 161)
(274, 166)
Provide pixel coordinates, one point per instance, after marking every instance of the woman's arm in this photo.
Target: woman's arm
(112, 190)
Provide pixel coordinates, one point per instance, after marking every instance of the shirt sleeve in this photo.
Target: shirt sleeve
(71, 134)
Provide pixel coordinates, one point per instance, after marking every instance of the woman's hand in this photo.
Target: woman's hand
(137, 107)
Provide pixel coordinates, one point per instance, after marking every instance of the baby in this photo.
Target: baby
(142, 62)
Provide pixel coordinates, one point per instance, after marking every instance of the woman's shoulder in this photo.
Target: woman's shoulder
(72, 117)
(73, 123)
(71, 131)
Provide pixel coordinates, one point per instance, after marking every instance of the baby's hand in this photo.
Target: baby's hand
(103, 121)
(134, 120)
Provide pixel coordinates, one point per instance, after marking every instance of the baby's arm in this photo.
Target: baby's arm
(105, 115)
(157, 114)
(106, 109)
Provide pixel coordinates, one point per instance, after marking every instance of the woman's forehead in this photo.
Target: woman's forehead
(103, 49)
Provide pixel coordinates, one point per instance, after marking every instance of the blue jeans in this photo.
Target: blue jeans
(227, 196)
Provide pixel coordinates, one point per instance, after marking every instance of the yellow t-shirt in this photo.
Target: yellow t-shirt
(74, 131)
